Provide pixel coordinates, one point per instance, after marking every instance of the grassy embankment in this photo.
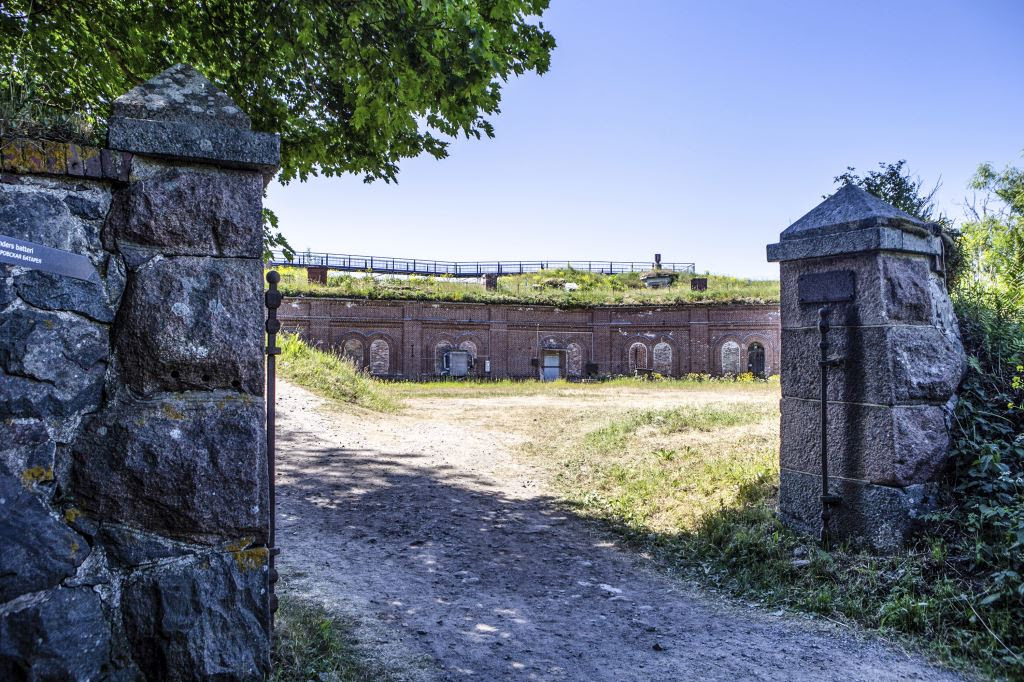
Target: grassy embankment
(332, 377)
(543, 288)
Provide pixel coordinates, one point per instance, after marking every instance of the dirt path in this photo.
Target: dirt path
(457, 566)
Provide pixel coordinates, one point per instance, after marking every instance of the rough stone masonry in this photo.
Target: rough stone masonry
(890, 403)
(133, 477)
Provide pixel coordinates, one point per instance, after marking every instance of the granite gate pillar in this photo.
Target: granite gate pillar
(133, 473)
(879, 273)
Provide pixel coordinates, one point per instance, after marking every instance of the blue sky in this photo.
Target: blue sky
(695, 129)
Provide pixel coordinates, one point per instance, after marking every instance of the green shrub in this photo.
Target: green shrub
(984, 524)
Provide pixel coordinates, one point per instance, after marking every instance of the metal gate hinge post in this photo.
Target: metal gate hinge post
(828, 500)
(272, 300)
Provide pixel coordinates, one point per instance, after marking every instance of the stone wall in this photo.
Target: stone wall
(890, 401)
(133, 474)
(679, 339)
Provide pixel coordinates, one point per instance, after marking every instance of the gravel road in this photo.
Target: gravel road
(458, 565)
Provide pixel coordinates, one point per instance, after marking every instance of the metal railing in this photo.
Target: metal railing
(418, 266)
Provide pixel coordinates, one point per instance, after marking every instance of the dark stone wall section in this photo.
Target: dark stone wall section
(133, 473)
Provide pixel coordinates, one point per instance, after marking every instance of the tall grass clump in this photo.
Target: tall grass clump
(23, 113)
(309, 644)
(331, 376)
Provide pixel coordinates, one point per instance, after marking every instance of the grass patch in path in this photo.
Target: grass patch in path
(309, 644)
(615, 435)
(332, 377)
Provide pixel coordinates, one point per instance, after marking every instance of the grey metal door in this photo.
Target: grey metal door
(551, 367)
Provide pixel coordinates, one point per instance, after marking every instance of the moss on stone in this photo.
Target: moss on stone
(172, 412)
(251, 559)
(240, 544)
(34, 475)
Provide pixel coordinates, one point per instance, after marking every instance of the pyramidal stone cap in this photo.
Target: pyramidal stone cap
(852, 221)
(180, 94)
(180, 114)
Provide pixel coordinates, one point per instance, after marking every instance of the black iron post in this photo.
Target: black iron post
(827, 500)
(272, 299)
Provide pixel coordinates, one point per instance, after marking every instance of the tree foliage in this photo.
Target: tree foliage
(353, 86)
(896, 185)
(993, 239)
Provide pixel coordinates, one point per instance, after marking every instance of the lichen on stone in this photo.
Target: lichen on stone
(240, 544)
(172, 412)
(251, 559)
(34, 475)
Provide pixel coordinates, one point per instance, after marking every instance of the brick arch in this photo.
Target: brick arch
(554, 342)
(716, 358)
(663, 358)
(476, 345)
(390, 360)
(439, 346)
(638, 355)
(769, 351)
(477, 340)
(349, 339)
(676, 347)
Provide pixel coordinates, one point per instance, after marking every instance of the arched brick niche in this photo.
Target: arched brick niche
(769, 353)
(663, 358)
(382, 357)
(730, 353)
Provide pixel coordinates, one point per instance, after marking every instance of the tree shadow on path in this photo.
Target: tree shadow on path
(487, 584)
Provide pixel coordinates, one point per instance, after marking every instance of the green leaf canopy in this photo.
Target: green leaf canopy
(352, 85)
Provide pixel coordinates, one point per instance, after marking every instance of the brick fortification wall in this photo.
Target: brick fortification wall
(133, 474)
(406, 339)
